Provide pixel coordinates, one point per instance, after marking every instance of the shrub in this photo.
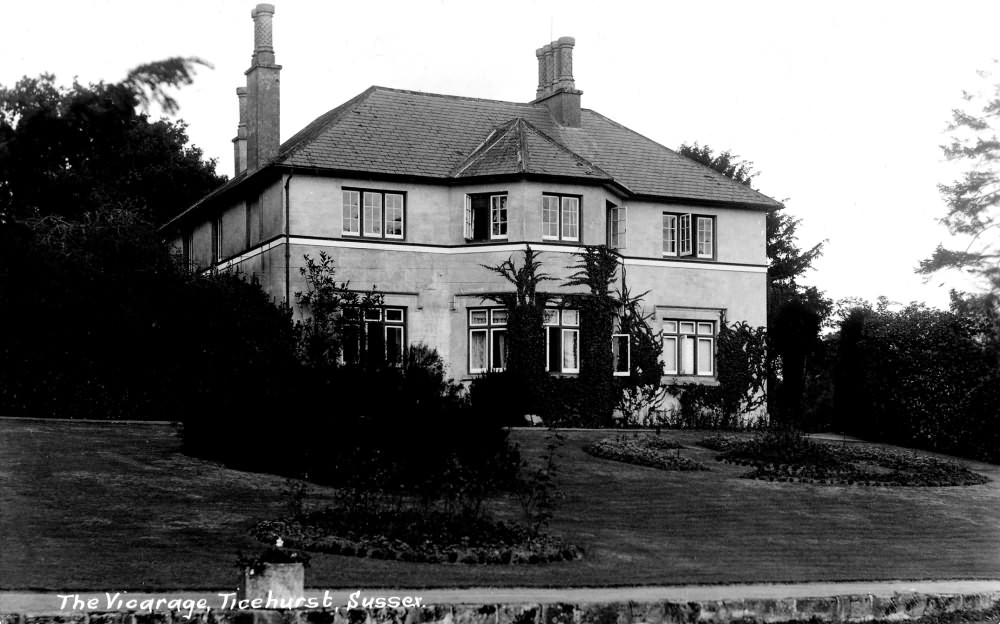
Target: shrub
(919, 377)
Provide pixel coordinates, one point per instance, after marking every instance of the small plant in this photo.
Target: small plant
(294, 495)
(537, 491)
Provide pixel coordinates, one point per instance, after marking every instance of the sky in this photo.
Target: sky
(841, 106)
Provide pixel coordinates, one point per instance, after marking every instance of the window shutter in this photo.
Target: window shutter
(685, 235)
(468, 218)
(623, 235)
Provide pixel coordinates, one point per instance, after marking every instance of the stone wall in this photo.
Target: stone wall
(851, 608)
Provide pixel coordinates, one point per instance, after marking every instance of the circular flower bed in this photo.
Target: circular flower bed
(793, 458)
(413, 535)
(644, 450)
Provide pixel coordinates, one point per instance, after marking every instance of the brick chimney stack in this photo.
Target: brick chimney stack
(240, 142)
(262, 120)
(556, 87)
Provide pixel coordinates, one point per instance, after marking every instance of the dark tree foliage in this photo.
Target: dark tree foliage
(596, 270)
(525, 336)
(974, 199)
(67, 151)
(794, 312)
(108, 326)
(918, 377)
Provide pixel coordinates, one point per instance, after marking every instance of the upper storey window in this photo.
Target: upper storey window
(486, 217)
(561, 217)
(374, 214)
(617, 226)
(688, 235)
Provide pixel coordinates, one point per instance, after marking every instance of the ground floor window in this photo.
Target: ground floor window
(688, 347)
(621, 354)
(562, 340)
(487, 340)
(374, 335)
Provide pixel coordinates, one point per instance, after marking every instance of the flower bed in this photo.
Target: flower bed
(417, 536)
(793, 458)
(645, 450)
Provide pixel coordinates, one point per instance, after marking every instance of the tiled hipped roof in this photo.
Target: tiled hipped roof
(389, 131)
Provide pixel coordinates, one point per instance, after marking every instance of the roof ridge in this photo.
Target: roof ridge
(498, 132)
(770, 200)
(449, 96)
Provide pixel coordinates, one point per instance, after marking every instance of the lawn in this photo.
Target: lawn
(90, 506)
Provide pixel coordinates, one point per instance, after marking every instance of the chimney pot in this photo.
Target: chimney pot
(556, 86)
(240, 142)
(262, 93)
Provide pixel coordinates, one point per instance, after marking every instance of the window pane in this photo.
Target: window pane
(498, 216)
(669, 235)
(705, 329)
(393, 345)
(614, 235)
(373, 214)
(571, 351)
(352, 342)
(394, 215)
(570, 218)
(704, 356)
(571, 317)
(478, 317)
(670, 327)
(705, 237)
(499, 349)
(550, 216)
(553, 339)
(551, 317)
(499, 317)
(394, 315)
(670, 355)
(352, 216)
(687, 355)
(620, 353)
(687, 327)
(468, 217)
(477, 350)
(685, 234)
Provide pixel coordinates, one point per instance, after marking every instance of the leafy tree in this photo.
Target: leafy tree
(794, 312)
(526, 334)
(973, 202)
(597, 270)
(70, 150)
(786, 261)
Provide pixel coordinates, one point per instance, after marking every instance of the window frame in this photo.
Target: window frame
(564, 327)
(628, 353)
(489, 328)
(363, 231)
(617, 237)
(217, 240)
(560, 217)
(380, 318)
(469, 220)
(696, 336)
(686, 234)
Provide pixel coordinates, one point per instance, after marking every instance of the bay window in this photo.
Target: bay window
(562, 340)
(487, 340)
(486, 216)
(617, 221)
(561, 217)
